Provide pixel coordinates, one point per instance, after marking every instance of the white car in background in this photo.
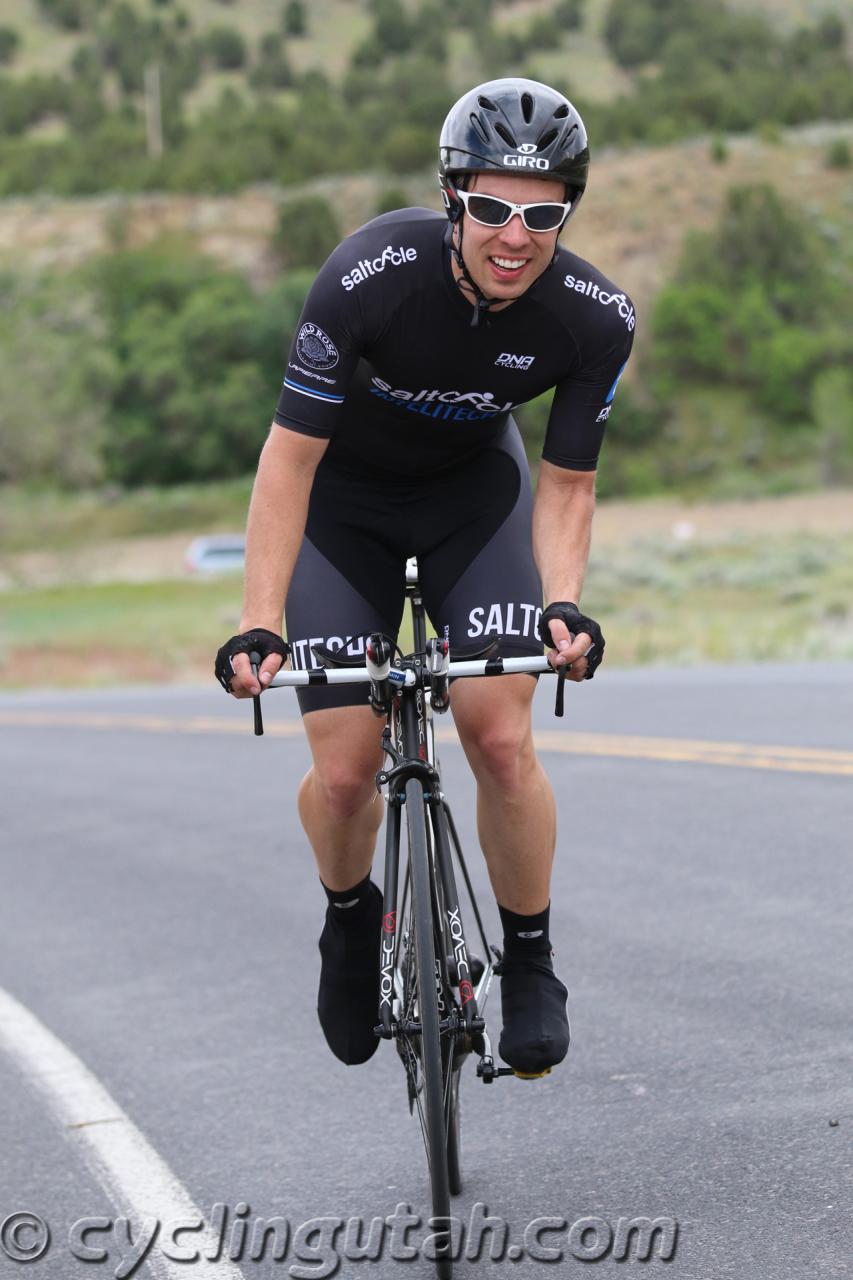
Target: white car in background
(218, 553)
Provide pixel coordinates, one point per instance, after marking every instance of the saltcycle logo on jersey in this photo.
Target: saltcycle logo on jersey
(367, 267)
(526, 158)
(591, 290)
(450, 406)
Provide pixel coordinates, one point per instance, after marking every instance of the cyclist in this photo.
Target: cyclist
(394, 437)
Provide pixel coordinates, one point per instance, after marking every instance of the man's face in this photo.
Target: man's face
(505, 261)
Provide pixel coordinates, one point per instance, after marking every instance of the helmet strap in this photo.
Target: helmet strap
(481, 302)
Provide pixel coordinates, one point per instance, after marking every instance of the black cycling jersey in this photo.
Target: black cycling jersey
(385, 362)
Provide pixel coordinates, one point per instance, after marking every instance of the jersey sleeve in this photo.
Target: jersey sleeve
(583, 400)
(323, 355)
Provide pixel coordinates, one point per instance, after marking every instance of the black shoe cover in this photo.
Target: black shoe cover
(535, 1034)
(348, 998)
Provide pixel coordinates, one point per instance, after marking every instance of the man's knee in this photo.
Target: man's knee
(343, 786)
(346, 750)
(500, 749)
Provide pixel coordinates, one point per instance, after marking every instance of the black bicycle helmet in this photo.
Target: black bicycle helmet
(513, 126)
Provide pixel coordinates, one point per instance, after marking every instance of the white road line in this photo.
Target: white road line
(139, 1183)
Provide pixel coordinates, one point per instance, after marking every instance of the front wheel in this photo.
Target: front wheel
(454, 1136)
(433, 1111)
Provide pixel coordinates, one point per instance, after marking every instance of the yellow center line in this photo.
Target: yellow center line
(738, 755)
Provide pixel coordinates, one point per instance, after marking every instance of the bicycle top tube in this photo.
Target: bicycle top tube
(407, 678)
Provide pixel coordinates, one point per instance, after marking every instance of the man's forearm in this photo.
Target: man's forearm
(562, 530)
(276, 524)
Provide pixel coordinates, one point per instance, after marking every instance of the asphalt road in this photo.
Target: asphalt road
(158, 917)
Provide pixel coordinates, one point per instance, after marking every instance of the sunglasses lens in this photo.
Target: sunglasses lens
(488, 210)
(544, 217)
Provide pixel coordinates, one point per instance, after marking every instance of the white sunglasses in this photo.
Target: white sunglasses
(489, 211)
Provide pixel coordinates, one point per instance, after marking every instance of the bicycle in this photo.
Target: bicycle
(432, 990)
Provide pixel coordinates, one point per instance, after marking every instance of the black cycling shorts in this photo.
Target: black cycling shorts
(471, 530)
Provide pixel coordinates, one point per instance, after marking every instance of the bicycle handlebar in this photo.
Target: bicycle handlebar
(361, 675)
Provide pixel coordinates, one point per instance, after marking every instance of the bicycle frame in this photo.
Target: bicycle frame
(416, 762)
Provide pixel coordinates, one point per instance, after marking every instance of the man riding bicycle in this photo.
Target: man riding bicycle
(394, 437)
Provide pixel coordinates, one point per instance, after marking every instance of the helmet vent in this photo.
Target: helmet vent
(561, 112)
(546, 139)
(503, 132)
(486, 104)
(527, 107)
(479, 127)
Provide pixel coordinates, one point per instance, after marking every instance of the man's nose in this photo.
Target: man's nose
(515, 232)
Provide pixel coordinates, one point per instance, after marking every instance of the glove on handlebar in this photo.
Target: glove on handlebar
(259, 641)
(567, 612)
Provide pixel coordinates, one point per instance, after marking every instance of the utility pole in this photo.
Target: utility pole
(153, 120)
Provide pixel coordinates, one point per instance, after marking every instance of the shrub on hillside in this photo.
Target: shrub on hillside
(9, 43)
(25, 101)
(390, 199)
(226, 46)
(838, 154)
(72, 15)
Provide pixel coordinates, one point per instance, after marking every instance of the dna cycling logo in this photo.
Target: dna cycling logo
(315, 348)
(526, 159)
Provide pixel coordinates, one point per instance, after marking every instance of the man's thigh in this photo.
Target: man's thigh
(493, 714)
(345, 742)
(349, 580)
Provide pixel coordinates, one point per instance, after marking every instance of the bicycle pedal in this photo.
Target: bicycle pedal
(532, 1075)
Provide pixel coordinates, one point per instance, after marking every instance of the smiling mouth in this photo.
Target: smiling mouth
(507, 268)
(509, 264)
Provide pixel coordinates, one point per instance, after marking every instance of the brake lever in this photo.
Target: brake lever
(561, 688)
(255, 659)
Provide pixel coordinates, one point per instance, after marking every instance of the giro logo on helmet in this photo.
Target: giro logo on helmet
(526, 160)
(315, 348)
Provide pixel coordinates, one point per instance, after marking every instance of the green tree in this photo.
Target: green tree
(758, 307)
(294, 18)
(272, 69)
(392, 27)
(191, 400)
(57, 379)
(307, 232)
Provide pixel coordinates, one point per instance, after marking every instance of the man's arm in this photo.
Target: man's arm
(277, 516)
(562, 530)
